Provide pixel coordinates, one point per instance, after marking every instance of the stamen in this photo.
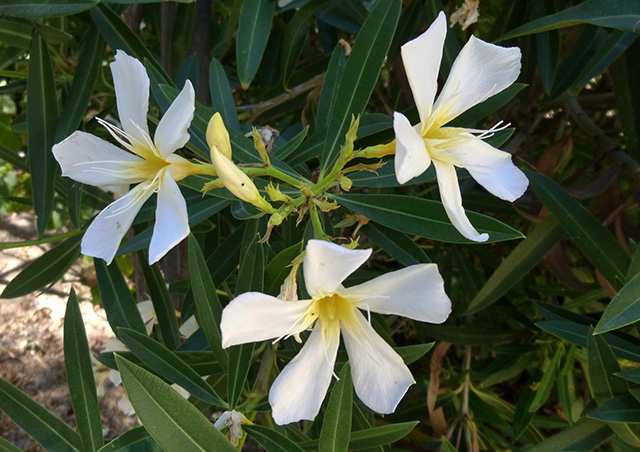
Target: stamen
(116, 133)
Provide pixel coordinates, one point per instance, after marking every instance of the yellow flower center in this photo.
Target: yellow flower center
(332, 311)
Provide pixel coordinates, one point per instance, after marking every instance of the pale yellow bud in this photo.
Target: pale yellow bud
(218, 137)
(275, 194)
(259, 145)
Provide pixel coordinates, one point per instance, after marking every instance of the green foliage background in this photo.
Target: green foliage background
(541, 351)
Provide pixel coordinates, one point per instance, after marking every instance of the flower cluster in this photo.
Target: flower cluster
(380, 376)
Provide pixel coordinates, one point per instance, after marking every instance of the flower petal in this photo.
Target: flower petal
(452, 201)
(480, 71)
(421, 58)
(380, 377)
(218, 136)
(255, 317)
(300, 388)
(172, 221)
(416, 292)
(491, 167)
(131, 84)
(172, 131)
(105, 233)
(412, 158)
(91, 160)
(326, 265)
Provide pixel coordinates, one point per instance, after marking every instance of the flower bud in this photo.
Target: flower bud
(218, 137)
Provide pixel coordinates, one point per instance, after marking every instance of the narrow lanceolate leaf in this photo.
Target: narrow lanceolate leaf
(422, 217)
(595, 241)
(162, 304)
(624, 309)
(37, 9)
(89, 66)
(627, 92)
(279, 267)
(167, 364)
(518, 263)
(82, 384)
(584, 435)
(250, 278)
(397, 244)
(254, 27)
(42, 118)
(221, 95)
(209, 309)
(45, 270)
(171, 420)
(6, 446)
(336, 426)
(135, 440)
(622, 409)
(360, 74)
(33, 418)
(546, 382)
(330, 85)
(15, 33)
(271, 440)
(379, 436)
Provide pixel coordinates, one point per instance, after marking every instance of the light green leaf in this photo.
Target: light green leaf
(135, 440)
(82, 384)
(422, 217)
(254, 27)
(170, 419)
(45, 270)
(336, 425)
(518, 263)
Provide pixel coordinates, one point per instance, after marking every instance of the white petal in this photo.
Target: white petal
(300, 388)
(480, 71)
(255, 317)
(380, 377)
(91, 160)
(416, 292)
(105, 233)
(326, 265)
(452, 201)
(421, 58)
(172, 221)
(131, 84)
(412, 158)
(172, 133)
(491, 167)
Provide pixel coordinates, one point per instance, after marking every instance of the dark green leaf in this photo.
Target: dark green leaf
(134, 440)
(221, 95)
(386, 177)
(254, 27)
(379, 436)
(546, 383)
(622, 409)
(279, 267)
(624, 308)
(397, 244)
(170, 419)
(329, 91)
(6, 446)
(422, 217)
(271, 440)
(14, 33)
(585, 436)
(336, 425)
(45, 270)
(489, 106)
(82, 384)
(44, 8)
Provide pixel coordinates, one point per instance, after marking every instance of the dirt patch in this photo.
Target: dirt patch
(31, 333)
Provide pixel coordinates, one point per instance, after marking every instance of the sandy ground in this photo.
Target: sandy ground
(31, 331)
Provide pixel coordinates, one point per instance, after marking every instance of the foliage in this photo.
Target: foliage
(541, 349)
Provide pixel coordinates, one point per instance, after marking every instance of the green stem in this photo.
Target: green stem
(318, 232)
(273, 172)
(53, 238)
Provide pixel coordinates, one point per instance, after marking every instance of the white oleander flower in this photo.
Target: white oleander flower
(380, 376)
(151, 164)
(480, 71)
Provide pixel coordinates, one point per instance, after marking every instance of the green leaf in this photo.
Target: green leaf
(290, 146)
(360, 74)
(630, 375)
(279, 267)
(42, 117)
(627, 92)
(117, 299)
(585, 435)
(546, 382)
(386, 177)
(33, 9)
(271, 440)
(45, 270)
(14, 33)
(489, 106)
(254, 27)
(336, 425)
(596, 242)
(379, 436)
(621, 409)
(89, 66)
(170, 419)
(397, 244)
(624, 308)
(518, 263)
(221, 95)
(547, 50)
(422, 217)
(167, 364)
(522, 416)
(621, 14)
(82, 384)
(135, 440)
(6, 446)
(33, 418)
(329, 91)
(209, 309)
(119, 36)
(162, 303)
